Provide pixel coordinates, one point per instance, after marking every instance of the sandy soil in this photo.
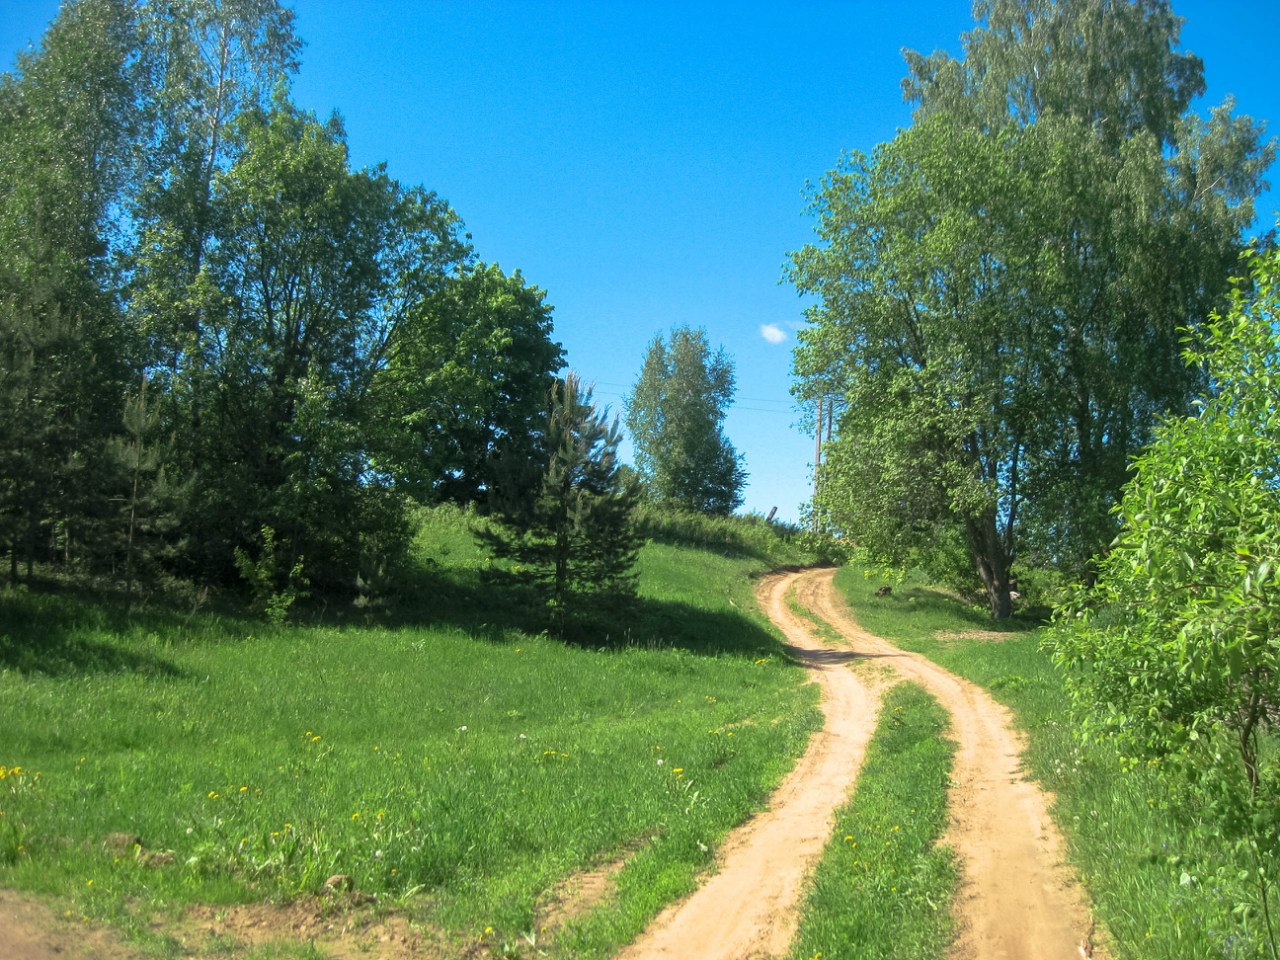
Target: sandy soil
(748, 908)
(1017, 901)
(31, 930)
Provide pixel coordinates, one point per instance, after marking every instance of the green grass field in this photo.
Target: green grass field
(460, 766)
(458, 769)
(1160, 891)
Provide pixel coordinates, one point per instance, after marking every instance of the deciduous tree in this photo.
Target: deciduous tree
(1004, 284)
(1173, 652)
(466, 383)
(675, 414)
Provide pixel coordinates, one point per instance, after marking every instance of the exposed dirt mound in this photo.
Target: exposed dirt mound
(341, 929)
(991, 636)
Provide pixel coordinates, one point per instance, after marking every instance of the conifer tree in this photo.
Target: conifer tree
(574, 536)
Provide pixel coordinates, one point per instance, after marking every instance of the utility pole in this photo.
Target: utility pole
(817, 463)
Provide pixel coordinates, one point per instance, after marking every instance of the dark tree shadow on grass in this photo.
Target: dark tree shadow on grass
(494, 607)
(930, 601)
(53, 634)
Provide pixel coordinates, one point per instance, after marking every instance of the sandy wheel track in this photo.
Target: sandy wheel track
(748, 908)
(1017, 900)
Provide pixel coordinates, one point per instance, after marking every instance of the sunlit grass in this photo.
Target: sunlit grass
(883, 887)
(457, 771)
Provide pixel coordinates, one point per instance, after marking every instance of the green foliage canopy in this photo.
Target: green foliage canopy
(1003, 284)
(1174, 651)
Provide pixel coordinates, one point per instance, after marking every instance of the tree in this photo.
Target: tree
(139, 534)
(466, 383)
(312, 267)
(66, 117)
(1004, 284)
(675, 414)
(1173, 652)
(574, 538)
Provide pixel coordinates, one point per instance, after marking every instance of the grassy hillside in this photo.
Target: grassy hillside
(442, 756)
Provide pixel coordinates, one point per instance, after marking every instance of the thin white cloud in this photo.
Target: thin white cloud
(772, 332)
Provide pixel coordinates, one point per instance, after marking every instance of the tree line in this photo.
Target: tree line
(229, 357)
(214, 327)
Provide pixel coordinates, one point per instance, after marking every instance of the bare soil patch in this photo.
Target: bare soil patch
(31, 929)
(747, 909)
(576, 896)
(991, 636)
(340, 929)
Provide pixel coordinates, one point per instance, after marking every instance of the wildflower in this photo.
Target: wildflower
(214, 795)
(244, 789)
(677, 769)
(355, 816)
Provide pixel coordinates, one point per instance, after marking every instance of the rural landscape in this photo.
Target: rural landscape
(342, 617)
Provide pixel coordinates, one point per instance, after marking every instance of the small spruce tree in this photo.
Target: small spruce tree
(572, 538)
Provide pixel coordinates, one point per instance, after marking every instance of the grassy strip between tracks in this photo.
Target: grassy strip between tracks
(883, 887)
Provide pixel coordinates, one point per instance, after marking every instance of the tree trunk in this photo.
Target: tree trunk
(991, 560)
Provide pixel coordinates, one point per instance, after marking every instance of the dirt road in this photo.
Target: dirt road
(1017, 900)
(748, 908)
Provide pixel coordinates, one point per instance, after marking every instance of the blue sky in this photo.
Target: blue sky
(645, 162)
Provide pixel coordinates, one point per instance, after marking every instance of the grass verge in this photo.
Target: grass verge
(1159, 889)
